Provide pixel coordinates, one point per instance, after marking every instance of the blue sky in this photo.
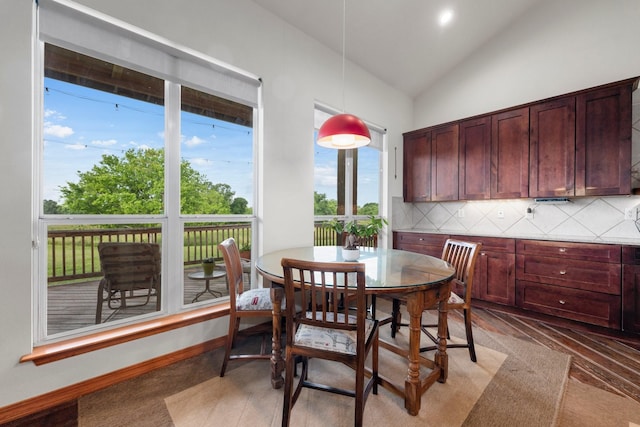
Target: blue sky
(81, 124)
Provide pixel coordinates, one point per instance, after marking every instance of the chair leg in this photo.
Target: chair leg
(395, 317)
(359, 396)
(290, 364)
(467, 325)
(100, 302)
(234, 325)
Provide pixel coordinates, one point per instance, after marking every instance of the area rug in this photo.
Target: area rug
(513, 383)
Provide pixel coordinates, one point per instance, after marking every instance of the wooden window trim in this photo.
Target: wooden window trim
(48, 353)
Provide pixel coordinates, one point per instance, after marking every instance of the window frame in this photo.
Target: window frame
(172, 221)
(379, 142)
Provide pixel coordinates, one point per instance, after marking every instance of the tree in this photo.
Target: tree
(51, 207)
(134, 184)
(324, 206)
(369, 209)
(239, 206)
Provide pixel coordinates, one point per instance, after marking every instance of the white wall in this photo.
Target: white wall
(296, 71)
(556, 48)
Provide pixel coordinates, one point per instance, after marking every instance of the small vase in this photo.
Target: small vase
(208, 268)
(350, 254)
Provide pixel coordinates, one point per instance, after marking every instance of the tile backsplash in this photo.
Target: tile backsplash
(581, 219)
(598, 219)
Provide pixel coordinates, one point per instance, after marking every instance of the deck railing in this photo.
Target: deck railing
(73, 254)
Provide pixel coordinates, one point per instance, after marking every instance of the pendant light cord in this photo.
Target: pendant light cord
(344, 44)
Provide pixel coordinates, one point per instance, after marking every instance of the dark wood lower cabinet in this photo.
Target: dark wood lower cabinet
(631, 289)
(422, 243)
(594, 308)
(593, 283)
(579, 281)
(494, 278)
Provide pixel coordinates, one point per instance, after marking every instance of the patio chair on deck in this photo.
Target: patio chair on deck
(131, 271)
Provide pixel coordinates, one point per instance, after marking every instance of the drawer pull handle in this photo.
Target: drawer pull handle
(562, 250)
(421, 239)
(563, 272)
(563, 302)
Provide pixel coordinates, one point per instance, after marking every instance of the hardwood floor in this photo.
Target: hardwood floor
(600, 358)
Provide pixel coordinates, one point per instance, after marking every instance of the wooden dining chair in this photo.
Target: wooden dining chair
(462, 256)
(329, 330)
(247, 303)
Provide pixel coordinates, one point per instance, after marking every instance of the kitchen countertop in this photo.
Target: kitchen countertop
(576, 239)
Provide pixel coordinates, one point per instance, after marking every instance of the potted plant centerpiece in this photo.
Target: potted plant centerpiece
(208, 264)
(355, 230)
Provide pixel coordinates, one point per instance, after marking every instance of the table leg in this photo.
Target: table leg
(207, 289)
(412, 385)
(277, 363)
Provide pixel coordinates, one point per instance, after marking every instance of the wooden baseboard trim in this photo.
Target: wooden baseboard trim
(75, 391)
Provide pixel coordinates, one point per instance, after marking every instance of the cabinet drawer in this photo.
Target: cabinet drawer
(570, 273)
(584, 306)
(582, 251)
(429, 244)
(491, 244)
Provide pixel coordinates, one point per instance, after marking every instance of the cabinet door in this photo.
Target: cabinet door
(494, 276)
(603, 142)
(552, 148)
(510, 154)
(475, 161)
(417, 168)
(444, 163)
(631, 298)
(631, 289)
(496, 280)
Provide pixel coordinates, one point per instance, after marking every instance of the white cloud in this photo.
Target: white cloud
(53, 114)
(199, 161)
(57, 130)
(76, 147)
(194, 141)
(105, 143)
(325, 176)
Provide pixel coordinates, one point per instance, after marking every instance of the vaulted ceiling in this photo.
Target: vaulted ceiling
(401, 41)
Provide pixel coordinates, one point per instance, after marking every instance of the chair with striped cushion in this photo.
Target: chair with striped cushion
(248, 303)
(335, 328)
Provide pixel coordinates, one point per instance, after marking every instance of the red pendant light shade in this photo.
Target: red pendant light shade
(343, 131)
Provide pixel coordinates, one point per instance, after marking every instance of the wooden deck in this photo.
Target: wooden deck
(73, 306)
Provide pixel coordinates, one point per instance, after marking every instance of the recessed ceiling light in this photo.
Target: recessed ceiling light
(445, 17)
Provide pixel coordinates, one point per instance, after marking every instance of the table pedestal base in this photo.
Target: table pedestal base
(414, 385)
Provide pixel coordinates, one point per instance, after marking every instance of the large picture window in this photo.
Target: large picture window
(144, 168)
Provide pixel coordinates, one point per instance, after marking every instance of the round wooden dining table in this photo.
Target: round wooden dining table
(422, 280)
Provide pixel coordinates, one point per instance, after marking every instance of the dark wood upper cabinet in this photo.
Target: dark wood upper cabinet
(577, 144)
(416, 169)
(475, 159)
(444, 163)
(510, 154)
(552, 145)
(603, 141)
